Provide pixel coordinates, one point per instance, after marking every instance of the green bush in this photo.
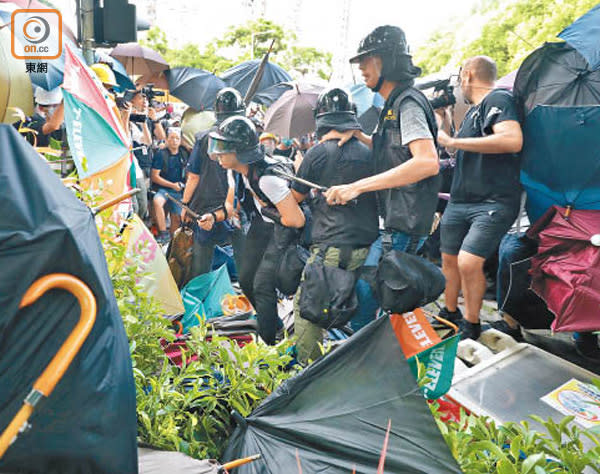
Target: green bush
(186, 409)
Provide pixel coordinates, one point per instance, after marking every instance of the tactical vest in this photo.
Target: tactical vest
(410, 208)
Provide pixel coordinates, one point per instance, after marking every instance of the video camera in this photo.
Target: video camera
(150, 93)
(446, 98)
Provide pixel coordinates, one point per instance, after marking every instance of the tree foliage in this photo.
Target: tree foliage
(244, 42)
(510, 30)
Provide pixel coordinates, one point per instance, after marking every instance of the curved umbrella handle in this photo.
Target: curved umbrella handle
(54, 371)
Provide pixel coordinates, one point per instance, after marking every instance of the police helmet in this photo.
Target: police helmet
(334, 101)
(389, 43)
(237, 135)
(229, 102)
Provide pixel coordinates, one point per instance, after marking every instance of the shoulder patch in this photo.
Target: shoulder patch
(390, 115)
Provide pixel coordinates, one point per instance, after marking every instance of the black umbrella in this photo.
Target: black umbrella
(368, 121)
(333, 415)
(196, 87)
(240, 77)
(271, 94)
(89, 419)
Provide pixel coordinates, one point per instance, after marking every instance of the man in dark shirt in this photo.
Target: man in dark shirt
(168, 168)
(484, 198)
(335, 228)
(48, 117)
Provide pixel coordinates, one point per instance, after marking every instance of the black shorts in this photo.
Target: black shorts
(476, 228)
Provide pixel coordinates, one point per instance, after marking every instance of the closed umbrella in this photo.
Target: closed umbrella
(138, 59)
(292, 114)
(369, 120)
(240, 76)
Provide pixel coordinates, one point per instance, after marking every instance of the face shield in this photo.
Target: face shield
(218, 146)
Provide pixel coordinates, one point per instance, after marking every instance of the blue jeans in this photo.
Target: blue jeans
(367, 302)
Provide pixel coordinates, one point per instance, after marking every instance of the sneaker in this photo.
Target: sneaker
(452, 316)
(469, 330)
(586, 345)
(504, 327)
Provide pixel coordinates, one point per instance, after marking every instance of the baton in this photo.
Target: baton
(105, 205)
(310, 184)
(188, 210)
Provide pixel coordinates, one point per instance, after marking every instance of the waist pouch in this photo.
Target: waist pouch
(406, 282)
(328, 298)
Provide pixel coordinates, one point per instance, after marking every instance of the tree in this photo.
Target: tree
(511, 31)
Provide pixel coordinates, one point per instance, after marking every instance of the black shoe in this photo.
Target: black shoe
(452, 316)
(504, 327)
(586, 345)
(469, 330)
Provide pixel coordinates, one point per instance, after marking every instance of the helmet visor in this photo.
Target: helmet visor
(217, 146)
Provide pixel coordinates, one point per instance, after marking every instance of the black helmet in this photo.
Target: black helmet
(229, 102)
(237, 135)
(334, 101)
(389, 43)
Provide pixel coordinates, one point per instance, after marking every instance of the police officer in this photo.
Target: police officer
(271, 208)
(206, 187)
(337, 231)
(404, 149)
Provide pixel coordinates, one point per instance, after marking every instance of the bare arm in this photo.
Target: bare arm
(343, 137)
(423, 164)
(507, 138)
(55, 121)
(299, 197)
(291, 214)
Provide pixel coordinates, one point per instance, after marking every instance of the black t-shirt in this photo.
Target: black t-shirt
(482, 177)
(172, 170)
(212, 187)
(353, 224)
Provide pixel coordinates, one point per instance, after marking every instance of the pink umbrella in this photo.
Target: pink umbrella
(566, 270)
(507, 81)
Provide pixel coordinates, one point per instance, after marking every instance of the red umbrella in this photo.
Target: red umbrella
(566, 270)
(139, 60)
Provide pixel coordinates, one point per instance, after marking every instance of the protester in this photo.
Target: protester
(338, 232)
(404, 151)
(168, 169)
(269, 142)
(48, 117)
(485, 193)
(206, 187)
(236, 147)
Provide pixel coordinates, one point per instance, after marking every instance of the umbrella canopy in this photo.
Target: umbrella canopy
(240, 76)
(50, 76)
(335, 434)
(584, 35)
(138, 59)
(271, 94)
(94, 131)
(89, 421)
(292, 114)
(558, 96)
(566, 269)
(15, 85)
(40, 6)
(196, 87)
(507, 82)
(365, 98)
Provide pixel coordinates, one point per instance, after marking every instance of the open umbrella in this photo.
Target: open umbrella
(34, 4)
(507, 82)
(292, 114)
(271, 94)
(558, 96)
(584, 35)
(196, 87)
(138, 59)
(240, 76)
(15, 85)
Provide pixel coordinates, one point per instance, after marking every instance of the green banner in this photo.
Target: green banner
(439, 367)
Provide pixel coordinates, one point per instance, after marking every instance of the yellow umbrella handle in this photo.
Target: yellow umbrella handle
(46, 382)
(240, 462)
(116, 200)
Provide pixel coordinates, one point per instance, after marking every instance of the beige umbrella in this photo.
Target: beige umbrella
(15, 86)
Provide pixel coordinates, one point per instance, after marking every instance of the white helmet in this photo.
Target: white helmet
(44, 97)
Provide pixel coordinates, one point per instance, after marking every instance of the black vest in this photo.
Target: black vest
(410, 208)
